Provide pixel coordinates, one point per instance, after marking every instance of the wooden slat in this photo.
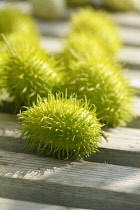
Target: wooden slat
(130, 19)
(69, 183)
(56, 28)
(9, 125)
(130, 36)
(118, 151)
(130, 57)
(123, 147)
(9, 204)
(52, 44)
(133, 76)
(130, 137)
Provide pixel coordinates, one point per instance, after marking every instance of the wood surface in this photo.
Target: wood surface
(9, 204)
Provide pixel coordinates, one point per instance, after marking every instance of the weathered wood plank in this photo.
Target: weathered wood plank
(130, 36)
(9, 204)
(130, 57)
(90, 184)
(70, 196)
(130, 19)
(113, 153)
(52, 44)
(9, 125)
(122, 138)
(56, 28)
(133, 77)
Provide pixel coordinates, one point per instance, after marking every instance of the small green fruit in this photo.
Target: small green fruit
(98, 24)
(82, 45)
(13, 20)
(28, 71)
(49, 9)
(102, 83)
(60, 127)
(123, 5)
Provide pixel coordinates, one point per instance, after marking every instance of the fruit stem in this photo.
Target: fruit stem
(104, 135)
(7, 44)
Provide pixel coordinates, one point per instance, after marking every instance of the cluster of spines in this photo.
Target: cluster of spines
(105, 87)
(97, 23)
(61, 127)
(28, 71)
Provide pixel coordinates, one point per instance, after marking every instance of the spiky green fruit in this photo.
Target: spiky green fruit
(102, 83)
(49, 9)
(81, 46)
(16, 39)
(13, 20)
(99, 24)
(60, 127)
(28, 71)
(123, 5)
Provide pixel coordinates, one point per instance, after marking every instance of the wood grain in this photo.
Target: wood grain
(9, 204)
(86, 182)
(129, 19)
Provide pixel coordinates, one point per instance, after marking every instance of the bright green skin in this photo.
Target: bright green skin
(14, 21)
(123, 5)
(28, 72)
(98, 24)
(102, 83)
(76, 45)
(60, 127)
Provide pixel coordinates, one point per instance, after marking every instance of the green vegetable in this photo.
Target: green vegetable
(60, 127)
